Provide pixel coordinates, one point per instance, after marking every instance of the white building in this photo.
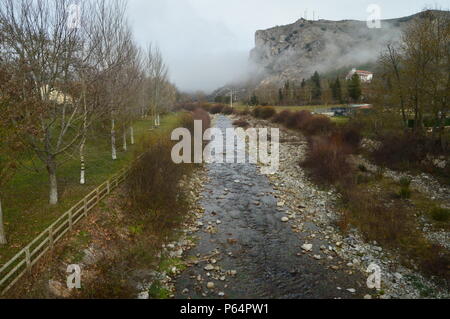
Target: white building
(365, 76)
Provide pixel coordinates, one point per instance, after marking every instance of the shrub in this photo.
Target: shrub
(216, 109)
(202, 115)
(205, 106)
(227, 110)
(241, 123)
(298, 120)
(317, 125)
(264, 112)
(405, 182)
(245, 112)
(362, 168)
(405, 191)
(327, 159)
(440, 214)
(400, 150)
(188, 106)
(282, 117)
(351, 135)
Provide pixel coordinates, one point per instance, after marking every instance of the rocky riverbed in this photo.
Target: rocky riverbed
(319, 208)
(275, 236)
(255, 239)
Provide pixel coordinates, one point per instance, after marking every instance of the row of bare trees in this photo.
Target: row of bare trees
(65, 68)
(415, 79)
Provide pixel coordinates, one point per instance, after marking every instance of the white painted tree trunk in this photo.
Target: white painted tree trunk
(113, 140)
(83, 144)
(83, 171)
(2, 229)
(51, 167)
(132, 135)
(125, 145)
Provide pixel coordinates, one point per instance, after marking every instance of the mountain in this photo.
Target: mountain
(295, 51)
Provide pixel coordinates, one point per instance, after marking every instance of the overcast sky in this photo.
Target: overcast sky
(206, 43)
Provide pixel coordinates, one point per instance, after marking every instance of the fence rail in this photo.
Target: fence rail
(24, 260)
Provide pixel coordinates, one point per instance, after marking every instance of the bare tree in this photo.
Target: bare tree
(416, 72)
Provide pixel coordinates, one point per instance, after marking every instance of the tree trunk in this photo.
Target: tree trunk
(113, 140)
(83, 142)
(132, 135)
(2, 230)
(125, 145)
(83, 166)
(51, 168)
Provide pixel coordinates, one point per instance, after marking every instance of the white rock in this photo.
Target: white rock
(285, 219)
(210, 285)
(351, 290)
(209, 267)
(307, 247)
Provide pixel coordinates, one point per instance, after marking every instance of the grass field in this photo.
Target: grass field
(25, 199)
(311, 108)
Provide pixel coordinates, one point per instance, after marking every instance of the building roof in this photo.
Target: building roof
(363, 72)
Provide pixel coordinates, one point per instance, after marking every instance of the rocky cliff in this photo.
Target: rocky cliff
(295, 51)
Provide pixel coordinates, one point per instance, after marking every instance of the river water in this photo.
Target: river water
(252, 241)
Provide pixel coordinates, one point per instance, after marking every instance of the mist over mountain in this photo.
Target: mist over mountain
(295, 51)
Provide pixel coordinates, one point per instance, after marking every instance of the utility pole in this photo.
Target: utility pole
(231, 98)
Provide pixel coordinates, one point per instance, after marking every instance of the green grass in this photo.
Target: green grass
(340, 120)
(25, 199)
(311, 108)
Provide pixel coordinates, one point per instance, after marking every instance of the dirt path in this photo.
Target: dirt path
(245, 250)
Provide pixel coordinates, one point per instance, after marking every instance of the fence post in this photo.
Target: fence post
(71, 219)
(108, 187)
(85, 207)
(98, 194)
(28, 258)
(50, 237)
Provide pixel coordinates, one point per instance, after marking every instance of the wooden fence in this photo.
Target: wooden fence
(22, 262)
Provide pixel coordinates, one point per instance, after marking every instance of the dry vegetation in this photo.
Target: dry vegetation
(128, 231)
(383, 212)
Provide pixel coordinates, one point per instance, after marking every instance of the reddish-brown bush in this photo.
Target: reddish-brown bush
(282, 117)
(241, 123)
(202, 115)
(245, 112)
(298, 120)
(227, 110)
(205, 106)
(401, 150)
(317, 125)
(264, 112)
(351, 135)
(327, 159)
(216, 109)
